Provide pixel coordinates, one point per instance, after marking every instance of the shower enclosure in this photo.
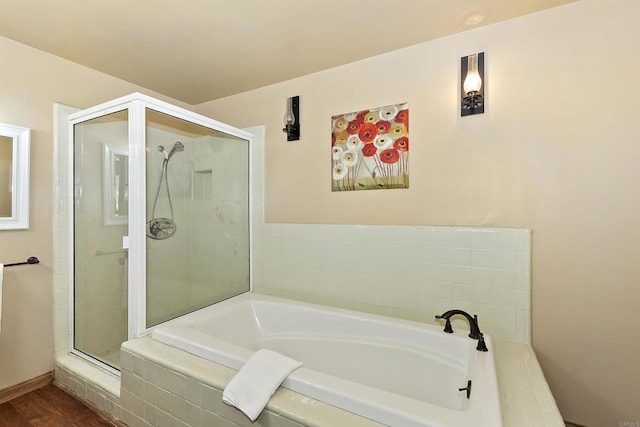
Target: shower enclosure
(160, 219)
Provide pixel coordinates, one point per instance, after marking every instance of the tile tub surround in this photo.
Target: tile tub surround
(162, 385)
(410, 272)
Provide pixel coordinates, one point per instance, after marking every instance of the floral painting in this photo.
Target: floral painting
(370, 149)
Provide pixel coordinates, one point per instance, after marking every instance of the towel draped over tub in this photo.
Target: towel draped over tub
(252, 387)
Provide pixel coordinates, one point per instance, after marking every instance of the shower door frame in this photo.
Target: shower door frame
(135, 241)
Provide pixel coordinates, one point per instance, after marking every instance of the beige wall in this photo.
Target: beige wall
(30, 82)
(556, 151)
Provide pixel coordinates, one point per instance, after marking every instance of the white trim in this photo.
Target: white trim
(161, 106)
(19, 219)
(70, 229)
(137, 273)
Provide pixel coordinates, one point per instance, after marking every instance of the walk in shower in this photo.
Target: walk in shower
(160, 219)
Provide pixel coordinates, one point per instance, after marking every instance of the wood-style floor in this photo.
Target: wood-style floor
(50, 407)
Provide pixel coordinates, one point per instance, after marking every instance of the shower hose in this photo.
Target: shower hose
(161, 228)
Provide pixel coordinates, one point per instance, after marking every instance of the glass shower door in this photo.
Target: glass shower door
(100, 221)
(173, 187)
(197, 225)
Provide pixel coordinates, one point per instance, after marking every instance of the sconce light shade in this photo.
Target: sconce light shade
(472, 84)
(292, 119)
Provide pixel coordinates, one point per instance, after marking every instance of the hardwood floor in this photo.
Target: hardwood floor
(50, 407)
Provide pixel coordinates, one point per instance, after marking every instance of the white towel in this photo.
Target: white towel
(1, 272)
(252, 387)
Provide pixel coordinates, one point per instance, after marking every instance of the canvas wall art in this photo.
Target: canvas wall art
(370, 149)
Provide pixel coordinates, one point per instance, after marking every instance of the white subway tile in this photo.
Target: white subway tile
(510, 240)
(523, 300)
(523, 321)
(503, 331)
(482, 258)
(437, 289)
(425, 255)
(126, 380)
(137, 385)
(504, 260)
(505, 316)
(462, 292)
(522, 335)
(483, 295)
(208, 418)
(441, 236)
(483, 239)
(482, 276)
(126, 360)
(192, 416)
(127, 417)
(177, 407)
(523, 261)
(527, 241)
(151, 414)
(404, 235)
(504, 278)
(460, 256)
(505, 298)
(523, 280)
(164, 378)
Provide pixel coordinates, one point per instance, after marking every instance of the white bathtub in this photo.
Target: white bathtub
(395, 372)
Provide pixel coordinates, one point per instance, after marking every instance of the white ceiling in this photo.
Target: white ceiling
(200, 50)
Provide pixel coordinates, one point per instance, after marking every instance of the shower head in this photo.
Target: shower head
(178, 146)
(163, 151)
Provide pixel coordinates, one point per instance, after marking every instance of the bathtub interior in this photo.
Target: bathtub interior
(343, 358)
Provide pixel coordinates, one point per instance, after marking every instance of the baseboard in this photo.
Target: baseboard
(25, 387)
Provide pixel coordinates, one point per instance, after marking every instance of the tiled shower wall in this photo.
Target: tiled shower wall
(411, 272)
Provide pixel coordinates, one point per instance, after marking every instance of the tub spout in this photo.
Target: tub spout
(473, 326)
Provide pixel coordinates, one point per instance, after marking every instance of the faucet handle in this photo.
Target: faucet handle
(482, 346)
(447, 326)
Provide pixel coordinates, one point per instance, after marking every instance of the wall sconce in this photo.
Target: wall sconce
(472, 72)
(292, 119)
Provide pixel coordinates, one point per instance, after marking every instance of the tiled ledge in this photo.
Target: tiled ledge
(99, 388)
(525, 396)
(161, 384)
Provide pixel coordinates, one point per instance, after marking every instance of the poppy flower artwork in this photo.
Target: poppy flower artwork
(370, 149)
